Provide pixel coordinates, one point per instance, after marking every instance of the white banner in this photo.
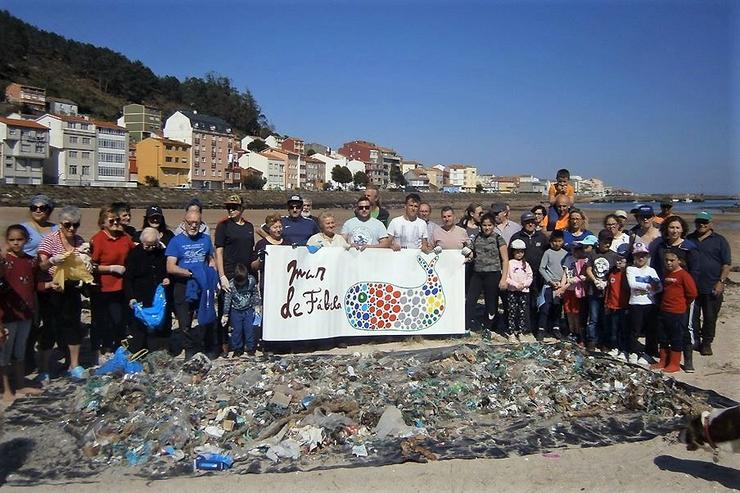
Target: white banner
(335, 292)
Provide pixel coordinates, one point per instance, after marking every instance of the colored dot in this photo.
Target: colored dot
(389, 288)
(396, 294)
(392, 318)
(435, 290)
(396, 309)
(362, 297)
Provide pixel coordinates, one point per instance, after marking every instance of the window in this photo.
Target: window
(26, 147)
(213, 172)
(85, 140)
(168, 159)
(40, 148)
(228, 175)
(85, 170)
(85, 155)
(202, 159)
(168, 147)
(72, 169)
(72, 153)
(13, 131)
(184, 161)
(73, 139)
(84, 126)
(177, 159)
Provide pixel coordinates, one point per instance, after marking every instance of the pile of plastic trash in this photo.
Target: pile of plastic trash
(304, 412)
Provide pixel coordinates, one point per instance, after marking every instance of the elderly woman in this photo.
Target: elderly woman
(614, 226)
(327, 236)
(110, 246)
(576, 227)
(61, 306)
(274, 227)
(146, 268)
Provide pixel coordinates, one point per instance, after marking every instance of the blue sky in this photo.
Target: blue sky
(642, 94)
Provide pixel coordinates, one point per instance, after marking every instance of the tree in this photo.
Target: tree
(253, 182)
(397, 176)
(478, 188)
(341, 174)
(310, 152)
(360, 179)
(257, 145)
(150, 181)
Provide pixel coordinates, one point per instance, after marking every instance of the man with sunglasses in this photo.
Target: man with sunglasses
(296, 228)
(364, 231)
(714, 259)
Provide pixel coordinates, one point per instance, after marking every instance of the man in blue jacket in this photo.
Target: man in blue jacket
(188, 253)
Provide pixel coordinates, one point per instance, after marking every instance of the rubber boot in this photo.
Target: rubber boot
(674, 362)
(663, 355)
(688, 359)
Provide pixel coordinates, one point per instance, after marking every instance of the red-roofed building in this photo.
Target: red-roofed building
(24, 145)
(378, 160)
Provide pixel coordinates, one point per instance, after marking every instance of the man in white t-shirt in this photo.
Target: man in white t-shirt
(409, 231)
(449, 236)
(364, 231)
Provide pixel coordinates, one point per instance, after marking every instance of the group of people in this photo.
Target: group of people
(553, 275)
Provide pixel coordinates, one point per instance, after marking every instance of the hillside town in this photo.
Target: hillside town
(49, 142)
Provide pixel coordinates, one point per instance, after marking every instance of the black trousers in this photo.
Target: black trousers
(194, 339)
(109, 320)
(487, 283)
(643, 320)
(60, 315)
(706, 312)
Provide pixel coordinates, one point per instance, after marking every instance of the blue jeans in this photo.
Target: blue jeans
(595, 330)
(243, 330)
(618, 333)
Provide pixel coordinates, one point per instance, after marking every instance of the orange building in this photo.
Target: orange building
(164, 159)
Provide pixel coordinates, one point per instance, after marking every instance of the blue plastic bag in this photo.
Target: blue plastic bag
(153, 316)
(120, 363)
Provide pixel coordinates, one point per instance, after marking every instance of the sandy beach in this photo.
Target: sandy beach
(660, 464)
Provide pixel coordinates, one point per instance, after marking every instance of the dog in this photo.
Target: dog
(718, 428)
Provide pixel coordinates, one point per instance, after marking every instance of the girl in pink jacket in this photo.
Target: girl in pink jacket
(518, 280)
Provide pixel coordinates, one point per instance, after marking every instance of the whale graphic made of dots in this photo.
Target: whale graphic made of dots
(385, 306)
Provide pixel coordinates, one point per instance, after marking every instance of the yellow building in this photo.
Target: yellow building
(166, 160)
(470, 178)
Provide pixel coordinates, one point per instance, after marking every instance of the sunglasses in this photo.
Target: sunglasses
(154, 219)
(232, 207)
(703, 222)
(68, 225)
(296, 206)
(111, 221)
(363, 207)
(38, 208)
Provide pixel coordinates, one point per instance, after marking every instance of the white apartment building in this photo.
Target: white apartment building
(24, 145)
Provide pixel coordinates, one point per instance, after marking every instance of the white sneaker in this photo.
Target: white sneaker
(643, 360)
(633, 358)
(622, 357)
(614, 353)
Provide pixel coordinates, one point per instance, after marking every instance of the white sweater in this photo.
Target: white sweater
(642, 292)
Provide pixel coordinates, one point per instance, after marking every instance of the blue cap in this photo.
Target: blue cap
(587, 240)
(643, 210)
(623, 250)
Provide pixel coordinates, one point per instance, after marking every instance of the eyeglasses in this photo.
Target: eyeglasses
(68, 225)
(538, 213)
(148, 246)
(193, 224)
(609, 225)
(363, 207)
(112, 221)
(295, 206)
(38, 208)
(232, 207)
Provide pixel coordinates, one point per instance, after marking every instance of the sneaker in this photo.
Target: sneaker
(614, 353)
(539, 334)
(557, 334)
(643, 360)
(77, 373)
(633, 358)
(688, 367)
(237, 353)
(43, 379)
(622, 357)
(706, 349)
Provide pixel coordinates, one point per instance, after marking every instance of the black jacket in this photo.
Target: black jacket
(145, 269)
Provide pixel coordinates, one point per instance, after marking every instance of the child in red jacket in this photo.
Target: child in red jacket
(616, 303)
(679, 290)
(17, 304)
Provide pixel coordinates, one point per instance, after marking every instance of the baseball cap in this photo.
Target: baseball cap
(498, 207)
(154, 210)
(518, 245)
(644, 210)
(640, 247)
(623, 250)
(666, 203)
(527, 216)
(295, 198)
(194, 202)
(234, 198)
(42, 199)
(704, 215)
(620, 213)
(605, 236)
(587, 240)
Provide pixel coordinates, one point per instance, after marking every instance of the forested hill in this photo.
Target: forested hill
(101, 81)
